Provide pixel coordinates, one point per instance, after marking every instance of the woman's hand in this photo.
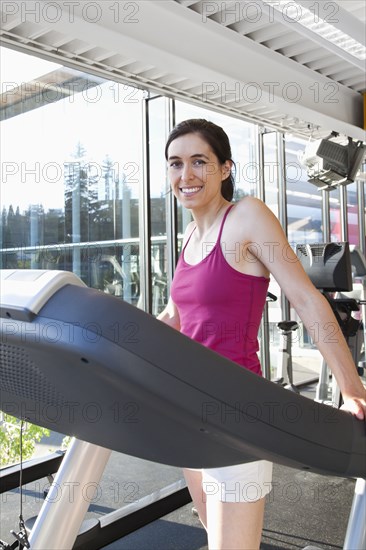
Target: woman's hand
(356, 406)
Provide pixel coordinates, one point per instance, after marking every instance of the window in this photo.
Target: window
(352, 214)
(71, 172)
(304, 200)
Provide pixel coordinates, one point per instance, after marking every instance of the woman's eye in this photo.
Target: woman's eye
(179, 164)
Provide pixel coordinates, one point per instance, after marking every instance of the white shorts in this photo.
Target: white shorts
(247, 482)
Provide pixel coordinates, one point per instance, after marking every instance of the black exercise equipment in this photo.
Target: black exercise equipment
(87, 364)
(329, 266)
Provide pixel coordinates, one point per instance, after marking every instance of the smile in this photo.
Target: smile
(189, 190)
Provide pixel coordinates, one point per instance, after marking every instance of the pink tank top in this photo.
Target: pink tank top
(220, 307)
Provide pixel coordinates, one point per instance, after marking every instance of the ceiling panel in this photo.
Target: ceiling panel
(215, 53)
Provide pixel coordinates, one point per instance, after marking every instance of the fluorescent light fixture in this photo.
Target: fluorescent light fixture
(311, 20)
(330, 163)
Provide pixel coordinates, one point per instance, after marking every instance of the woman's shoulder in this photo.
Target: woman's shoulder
(249, 201)
(255, 222)
(250, 207)
(251, 218)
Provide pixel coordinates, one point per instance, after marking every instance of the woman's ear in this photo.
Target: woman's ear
(226, 169)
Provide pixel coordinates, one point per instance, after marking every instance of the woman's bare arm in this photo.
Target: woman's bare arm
(170, 315)
(274, 251)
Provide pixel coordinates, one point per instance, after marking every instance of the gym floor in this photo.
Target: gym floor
(303, 509)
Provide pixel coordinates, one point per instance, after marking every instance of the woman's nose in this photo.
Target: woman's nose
(187, 172)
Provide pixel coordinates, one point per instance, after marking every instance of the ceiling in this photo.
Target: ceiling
(247, 58)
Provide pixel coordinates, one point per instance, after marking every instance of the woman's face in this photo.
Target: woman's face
(195, 172)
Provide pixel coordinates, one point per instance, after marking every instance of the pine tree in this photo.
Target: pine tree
(79, 189)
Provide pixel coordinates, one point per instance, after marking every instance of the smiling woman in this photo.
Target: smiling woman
(217, 299)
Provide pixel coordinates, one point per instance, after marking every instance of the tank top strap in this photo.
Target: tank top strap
(189, 238)
(220, 230)
(223, 222)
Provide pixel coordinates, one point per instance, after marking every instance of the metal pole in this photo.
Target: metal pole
(34, 234)
(325, 216)
(356, 529)
(69, 497)
(145, 301)
(125, 196)
(362, 242)
(282, 205)
(171, 211)
(261, 193)
(76, 223)
(265, 356)
(343, 212)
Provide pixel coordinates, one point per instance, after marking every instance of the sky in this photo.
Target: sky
(34, 145)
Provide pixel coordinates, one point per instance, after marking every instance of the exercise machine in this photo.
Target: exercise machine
(284, 369)
(284, 362)
(332, 267)
(65, 346)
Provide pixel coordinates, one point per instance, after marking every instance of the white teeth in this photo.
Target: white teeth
(189, 190)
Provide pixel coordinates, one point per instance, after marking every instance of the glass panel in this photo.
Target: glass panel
(304, 225)
(352, 214)
(270, 173)
(71, 174)
(363, 244)
(304, 200)
(335, 215)
(270, 176)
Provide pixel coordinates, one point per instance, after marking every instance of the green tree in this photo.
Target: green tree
(10, 439)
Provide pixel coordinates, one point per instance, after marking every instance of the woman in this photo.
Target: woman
(221, 280)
